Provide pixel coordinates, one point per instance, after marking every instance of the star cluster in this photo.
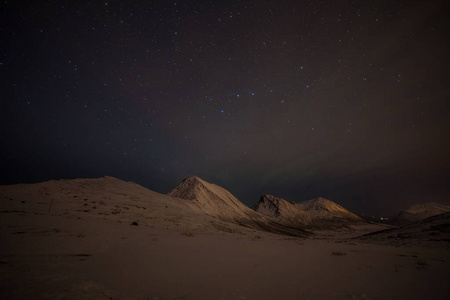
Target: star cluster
(346, 100)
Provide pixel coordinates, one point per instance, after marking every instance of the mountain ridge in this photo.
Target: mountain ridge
(316, 212)
(210, 198)
(279, 208)
(322, 208)
(419, 212)
(216, 201)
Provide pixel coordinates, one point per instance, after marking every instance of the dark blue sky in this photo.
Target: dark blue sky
(347, 100)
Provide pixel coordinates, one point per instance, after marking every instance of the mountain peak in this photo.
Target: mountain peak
(321, 201)
(193, 179)
(322, 208)
(271, 199)
(269, 205)
(210, 198)
(188, 188)
(276, 207)
(217, 202)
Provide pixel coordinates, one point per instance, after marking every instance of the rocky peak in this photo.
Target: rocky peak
(188, 187)
(269, 205)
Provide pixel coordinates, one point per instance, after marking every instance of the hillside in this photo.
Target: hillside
(419, 212)
(211, 199)
(429, 231)
(321, 209)
(105, 238)
(282, 210)
(209, 208)
(102, 198)
(315, 213)
(215, 201)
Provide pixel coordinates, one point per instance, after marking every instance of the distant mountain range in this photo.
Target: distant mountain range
(419, 212)
(79, 238)
(215, 201)
(282, 210)
(315, 212)
(218, 202)
(192, 201)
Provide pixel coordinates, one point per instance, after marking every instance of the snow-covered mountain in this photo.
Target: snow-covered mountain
(216, 201)
(323, 209)
(419, 212)
(317, 212)
(211, 199)
(100, 198)
(194, 205)
(281, 209)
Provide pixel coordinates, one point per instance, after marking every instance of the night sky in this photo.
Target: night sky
(348, 100)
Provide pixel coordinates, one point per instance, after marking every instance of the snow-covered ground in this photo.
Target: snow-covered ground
(109, 239)
(431, 232)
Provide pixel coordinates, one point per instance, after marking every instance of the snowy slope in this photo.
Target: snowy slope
(275, 207)
(215, 201)
(105, 198)
(323, 209)
(74, 239)
(209, 208)
(419, 212)
(211, 199)
(429, 231)
(318, 212)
